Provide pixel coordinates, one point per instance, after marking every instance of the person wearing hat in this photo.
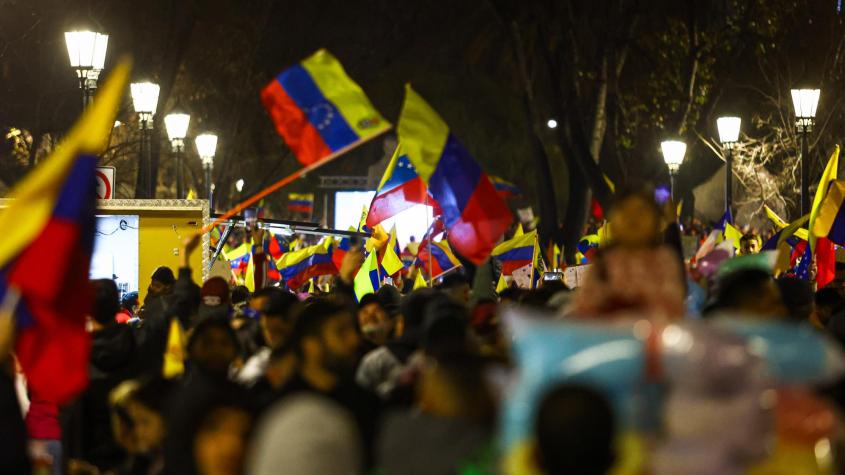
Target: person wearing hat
(128, 307)
(161, 282)
(214, 299)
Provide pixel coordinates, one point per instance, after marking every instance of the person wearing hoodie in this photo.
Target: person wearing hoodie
(86, 423)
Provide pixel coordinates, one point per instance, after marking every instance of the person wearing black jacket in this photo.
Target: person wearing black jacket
(86, 423)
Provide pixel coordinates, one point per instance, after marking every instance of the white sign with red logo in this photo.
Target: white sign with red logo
(105, 183)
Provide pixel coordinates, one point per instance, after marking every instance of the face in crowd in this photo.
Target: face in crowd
(220, 443)
(334, 347)
(376, 326)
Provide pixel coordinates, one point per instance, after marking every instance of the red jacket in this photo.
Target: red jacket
(42, 420)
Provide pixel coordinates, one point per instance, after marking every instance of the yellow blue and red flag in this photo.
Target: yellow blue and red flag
(242, 264)
(400, 189)
(319, 110)
(473, 212)
(50, 226)
(298, 266)
(830, 220)
(367, 279)
(442, 258)
(517, 252)
(821, 246)
(340, 249)
(301, 203)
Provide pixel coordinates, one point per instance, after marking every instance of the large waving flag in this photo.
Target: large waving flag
(319, 110)
(299, 266)
(779, 223)
(830, 220)
(441, 260)
(367, 279)
(45, 252)
(821, 246)
(400, 189)
(517, 252)
(475, 215)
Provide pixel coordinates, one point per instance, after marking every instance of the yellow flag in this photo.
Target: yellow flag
(519, 231)
(377, 240)
(828, 176)
(192, 194)
(501, 286)
(419, 282)
(363, 221)
(312, 289)
(174, 353)
(733, 234)
(390, 261)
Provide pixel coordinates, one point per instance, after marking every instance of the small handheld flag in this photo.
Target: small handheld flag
(319, 110)
(174, 353)
(301, 203)
(400, 189)
(366, 280)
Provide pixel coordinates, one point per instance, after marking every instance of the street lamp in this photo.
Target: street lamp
(145, 101)
(551, 123)
(206, 146)
(728, 135)
(673, 155)
(87, 53)
(805, 101)
(177, 128)
(239, 185)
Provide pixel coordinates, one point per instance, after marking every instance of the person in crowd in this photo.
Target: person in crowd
(798, 298)
(214, 299)
(85, 423)
(749, 244)
(326, 344)
(374, 323)
(828, 302)
(161, 282)
(276, 323)
(138, 423)
(381, 368)
(574, 429)
(635, 274)
(209, 436)
(327, 441)
(128, 307)
(451, 425)
(747, 292)
(457, 287)
(13, 430)
(45, 433)
(212, 348)
(413, 246)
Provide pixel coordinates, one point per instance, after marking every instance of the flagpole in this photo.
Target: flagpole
(533, 260)
(285, 181)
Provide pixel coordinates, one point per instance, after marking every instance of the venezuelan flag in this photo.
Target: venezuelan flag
(299, 266)
(475, 215)
(367, 279)
(301, 203)
(442, 258)
(505, 188)
(830, 220)
(340, 249)
(400, 189)
(242, 263)
(45, 252)
(821, 246)
(588, 245)
(319, 110)
(517, 252)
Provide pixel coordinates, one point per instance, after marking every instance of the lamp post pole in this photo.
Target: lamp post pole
(728, 134)
(206, 148)
(805, 169)
(145, 101)
(177, 129)
(805, 102)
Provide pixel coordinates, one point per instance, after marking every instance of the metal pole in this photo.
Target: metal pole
(142, 159)
(672, 183)
(805, 171)
(208, 186)
(729, 173)
(148, 160)
(180, 187)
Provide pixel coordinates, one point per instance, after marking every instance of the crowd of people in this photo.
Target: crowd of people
(396, 383)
